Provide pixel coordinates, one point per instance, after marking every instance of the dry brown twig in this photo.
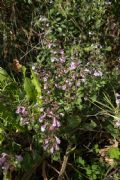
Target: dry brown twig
(44, 171)
(65, 160)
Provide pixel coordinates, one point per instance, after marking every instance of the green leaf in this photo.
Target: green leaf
(81, 161)
(29, 89)
(114, 153)
(37, 87)
(3, 75)
(36, 83)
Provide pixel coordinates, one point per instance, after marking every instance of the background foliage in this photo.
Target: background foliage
(59, 89)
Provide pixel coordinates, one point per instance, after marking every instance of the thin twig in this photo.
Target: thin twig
(49, 165)
(44, 171)
(62, 171)
(65, 160)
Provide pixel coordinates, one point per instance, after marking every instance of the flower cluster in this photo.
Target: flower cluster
(22, 111)
(117, 96)
(6, 161)
(51, 144)
(117, 122)
(49, 126)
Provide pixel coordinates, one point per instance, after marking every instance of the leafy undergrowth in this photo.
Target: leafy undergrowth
(59, 90)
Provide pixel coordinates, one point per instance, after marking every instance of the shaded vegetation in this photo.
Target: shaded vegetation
(59, 89)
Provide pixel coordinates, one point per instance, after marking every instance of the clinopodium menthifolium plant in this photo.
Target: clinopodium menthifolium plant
(59, 90)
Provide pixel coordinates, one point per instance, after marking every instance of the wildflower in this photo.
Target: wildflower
(43, 127)
(78, 83)
(42, 118)
(6, 166)
(19, 157)
(53, 59)
(55, 123)
(3, 159)
(117, 101)
(64, 87)
(49, 45)
(62, 59)
(46, 144)
(117, 123)
(62, 52)
(45, 79)
(117, 96)
(97, 73)
(72, 66)
(46, 141)
(24, 121)
(57, 147)
(21, 110)
(57, 140)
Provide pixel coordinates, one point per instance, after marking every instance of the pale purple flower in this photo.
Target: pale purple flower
(57, 140)
(45, 79)
(117, 98)
(97, 73)
(49, 45)
(21, 110)
(24, 121)
(2, 160)
(65, 71)
(43, 127)
(117, 123)
(62, 59)
(19, 158)
(72, 66)
(6, 166)
(78, 83)
(117, 101)
(62, 52)
(46, 144)
(46, 141)
(42, 118)
(55, 123)
(117, 95)
(64, 87)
